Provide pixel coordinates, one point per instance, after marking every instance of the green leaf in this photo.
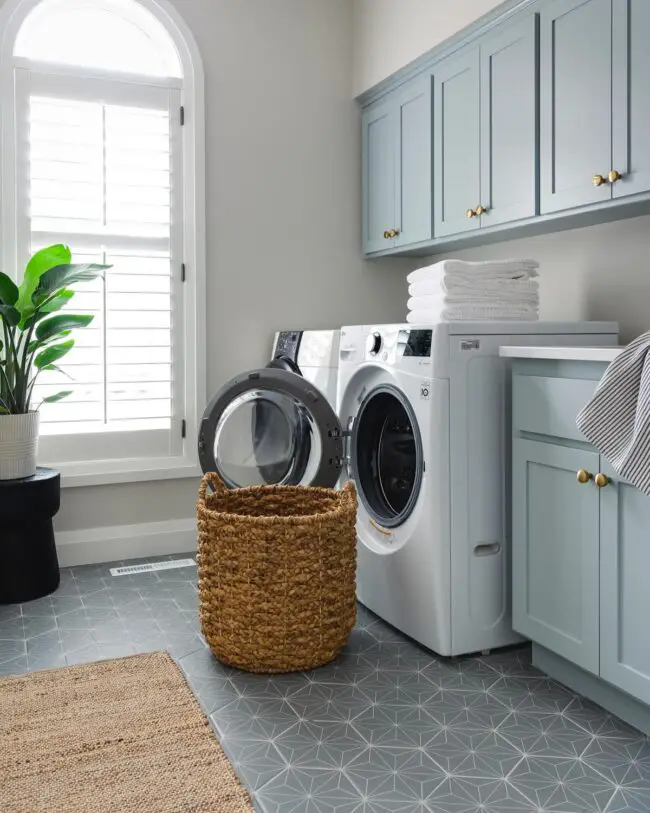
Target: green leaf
(32, 347)
(39, 264)
(55, 369)
(53, 353)
(8, 290)
(10, 315)
(52, 399)
(57, 302)
(62, 276)
(56, 325)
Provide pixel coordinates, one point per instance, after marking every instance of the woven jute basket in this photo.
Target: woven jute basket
(277, 567)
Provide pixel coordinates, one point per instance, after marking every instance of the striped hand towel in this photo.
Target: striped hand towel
(617, 418)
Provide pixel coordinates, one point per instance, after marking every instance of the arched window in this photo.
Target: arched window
(100, 151)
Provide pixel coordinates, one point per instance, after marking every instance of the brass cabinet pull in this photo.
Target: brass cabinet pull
(584, 476)
(602, 480)
(481, 210)
(599, 180)
(614, 176)
(470, 213)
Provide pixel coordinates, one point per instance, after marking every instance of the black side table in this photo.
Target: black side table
(29, 567)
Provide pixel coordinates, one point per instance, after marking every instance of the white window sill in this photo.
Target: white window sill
(107, 472)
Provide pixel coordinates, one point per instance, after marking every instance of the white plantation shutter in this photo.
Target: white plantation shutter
(100, 166)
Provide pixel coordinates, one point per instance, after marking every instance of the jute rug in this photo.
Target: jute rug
(123, 736)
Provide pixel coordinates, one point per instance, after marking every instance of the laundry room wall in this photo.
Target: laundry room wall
(283, 210)
(600, 272)
(389, 35)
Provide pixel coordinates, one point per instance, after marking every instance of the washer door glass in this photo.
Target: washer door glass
(271, 427)
(387, 457)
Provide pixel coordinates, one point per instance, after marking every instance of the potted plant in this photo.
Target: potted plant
(34, 337)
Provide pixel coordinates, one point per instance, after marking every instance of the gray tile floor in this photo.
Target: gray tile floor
(386, 728)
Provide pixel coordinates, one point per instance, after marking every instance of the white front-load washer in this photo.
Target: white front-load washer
(425, 409)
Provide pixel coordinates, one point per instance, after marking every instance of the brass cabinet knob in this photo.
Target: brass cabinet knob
(598, 180)
(601, 480)
(584, 476)
(470, 213)
(394, 232)
(614, 176)
(386, 235)
(481, 210)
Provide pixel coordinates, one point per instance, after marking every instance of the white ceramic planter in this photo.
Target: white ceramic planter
(18, 445)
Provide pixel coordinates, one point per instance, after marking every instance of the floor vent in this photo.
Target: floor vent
(129, 570)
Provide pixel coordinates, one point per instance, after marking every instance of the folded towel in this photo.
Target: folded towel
(496, 298)
(472, 313)
(617, 418)
(453, 285)
(498, 269)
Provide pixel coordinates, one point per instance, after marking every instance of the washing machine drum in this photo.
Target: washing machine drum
(387, 456)
(271, 426)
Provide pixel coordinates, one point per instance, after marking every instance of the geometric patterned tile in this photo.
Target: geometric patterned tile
(382, 773)
(388, 727)
(460, 795)
(532, 695)
(301, 791)
(628, 801)
(562, 784)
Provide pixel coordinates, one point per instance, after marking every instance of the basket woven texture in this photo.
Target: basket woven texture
(277, 567)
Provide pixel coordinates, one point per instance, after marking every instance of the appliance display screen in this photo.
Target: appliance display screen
(418, 343)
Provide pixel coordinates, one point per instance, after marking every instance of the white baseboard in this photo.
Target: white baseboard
(97, 545)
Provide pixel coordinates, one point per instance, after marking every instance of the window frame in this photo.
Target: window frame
(183, 463)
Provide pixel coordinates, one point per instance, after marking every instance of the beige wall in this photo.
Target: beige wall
(283, 167)
(389, 34)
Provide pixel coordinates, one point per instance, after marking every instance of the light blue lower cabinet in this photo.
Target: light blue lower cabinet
(625, 587)
(556, 550)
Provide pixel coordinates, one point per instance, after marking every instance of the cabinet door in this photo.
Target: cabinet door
(379, 175)
(555, 556)
(631, 97)
(625, 596)
(509, 124)
(457, 144)
(576, 62)
(414, 179)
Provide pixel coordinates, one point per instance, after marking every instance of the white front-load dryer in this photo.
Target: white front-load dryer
(425, 413)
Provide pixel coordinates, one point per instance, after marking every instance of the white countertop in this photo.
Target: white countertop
(602, 354)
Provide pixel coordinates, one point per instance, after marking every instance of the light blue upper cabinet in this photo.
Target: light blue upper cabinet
(456, 129)
(379, 176)
(509, 104)
(555, 553)
(631, 98)
(576, 82)
(414, 182)
(397, 184)
(625, 597)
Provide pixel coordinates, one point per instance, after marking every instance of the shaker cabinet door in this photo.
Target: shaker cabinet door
(456, 128)
(379, 176)
(624, 590)
(414, 179)
(509, 101)
(576, 107)
(555, 550)
(630, 98)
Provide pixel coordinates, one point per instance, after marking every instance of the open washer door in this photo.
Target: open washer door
(271, 426)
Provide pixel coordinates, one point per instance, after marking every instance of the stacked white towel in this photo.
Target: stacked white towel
(454, 290)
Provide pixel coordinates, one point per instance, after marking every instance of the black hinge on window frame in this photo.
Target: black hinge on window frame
(183, 272)
(183, 428)
(182, 116)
